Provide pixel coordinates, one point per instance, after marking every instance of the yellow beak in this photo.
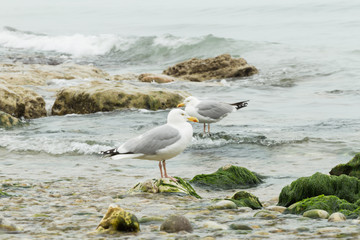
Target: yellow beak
(193, 119)
(181, 105)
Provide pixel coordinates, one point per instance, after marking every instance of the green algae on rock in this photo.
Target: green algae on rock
(165, 185)
(105, 97)
(330, 204)
(6, 120)
(220, 67)
(343, 186)
(228, 177)
(117, 220)
(245, 199)
(352, 168)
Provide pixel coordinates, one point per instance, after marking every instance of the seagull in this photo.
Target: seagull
(209, 111)
(160, 143)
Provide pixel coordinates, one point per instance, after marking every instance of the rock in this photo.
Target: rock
(214, 225)
(6, 120)
(165, 185)
(100, 96)
(146, 219)
(220, 67)
(343, 186)
(223, 204)
(152, 77)
(245, 199)
(265, 214)
(36, 74)
(228, 177)
(176, 223)
(6, 226)
(279, 209)
(21, 102)
(352, 168)
(117, 220)
(3, 194)
(238, 226)
(316, 213)
(330, 204)
(337, 217)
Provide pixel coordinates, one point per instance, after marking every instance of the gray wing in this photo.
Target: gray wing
(152, 141)
(214, 110)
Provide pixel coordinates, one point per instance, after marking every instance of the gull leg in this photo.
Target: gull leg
(161, 172)
(209, 128)
(164, 166)
(204, 128)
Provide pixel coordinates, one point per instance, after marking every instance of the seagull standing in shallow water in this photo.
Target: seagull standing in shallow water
(160, 143)
(209, 111)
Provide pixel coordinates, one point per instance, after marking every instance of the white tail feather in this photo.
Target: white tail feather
(126, 156)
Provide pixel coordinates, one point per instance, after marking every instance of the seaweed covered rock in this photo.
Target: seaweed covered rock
(176, 223)
(245, 199)
(117, 220)
(330, 204)
(352, 168)
(6, 120)
(223, 66)
(21, 102)
(104, 97)
(165, 185)
(228, 177)
(343, 186)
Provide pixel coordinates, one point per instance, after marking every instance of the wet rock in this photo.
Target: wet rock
(36, 74)
(279, 209)
(223, 66)
(228, 177)
(352, 168)
(265, 214)
(245, 199)
(152, 77)
(316, 213)
(6, 226)
(238, 226)
(337, 217)
(21, 102)
(165, 185)
(176, 223)
(223, 204)
(330, 204)
(104, 97)
(148, 219)
(117, 220)
(6, 121)
(343, 186)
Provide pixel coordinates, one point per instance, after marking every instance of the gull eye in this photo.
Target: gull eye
(182, 114)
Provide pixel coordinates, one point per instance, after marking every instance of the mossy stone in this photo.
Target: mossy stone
(352, 168)
(344, 187)
(228, 177)
(245, 199)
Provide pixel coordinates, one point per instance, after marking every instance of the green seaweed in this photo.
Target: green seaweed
(228, 177)
(352, 168)
(245, 199)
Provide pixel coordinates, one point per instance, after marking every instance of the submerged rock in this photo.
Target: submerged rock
(239, 226)
(352, 168)
(165, 185)
(223, 66)
(3, 194)
(343, 186)
(176, 223)
(117, 220)
(316, 213)
(6, 120)
(266, 214)
(223, 204)
(153, 77)
(228, 177)
(7, 227)
(330, 204)
(104, 97)
(245, 199)
(21, 102)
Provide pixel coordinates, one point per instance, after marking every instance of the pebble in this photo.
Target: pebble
(316, 213)
(279, 209)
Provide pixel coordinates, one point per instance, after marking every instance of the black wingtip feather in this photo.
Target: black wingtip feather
(110, 153)
(239, 105)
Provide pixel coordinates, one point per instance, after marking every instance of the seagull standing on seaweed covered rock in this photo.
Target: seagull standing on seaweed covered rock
(208, 111)
(160, 143)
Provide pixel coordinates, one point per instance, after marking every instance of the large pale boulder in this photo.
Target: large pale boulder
(223, 66)
(104, 97)
(21, 102)
(38, 74)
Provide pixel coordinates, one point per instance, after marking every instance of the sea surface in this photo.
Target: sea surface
(303, 115)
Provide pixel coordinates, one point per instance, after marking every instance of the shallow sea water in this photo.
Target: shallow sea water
(302, 116)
